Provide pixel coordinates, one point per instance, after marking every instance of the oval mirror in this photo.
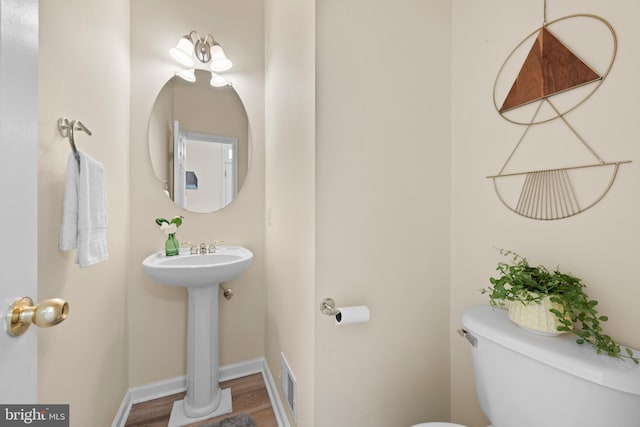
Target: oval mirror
(199, 143)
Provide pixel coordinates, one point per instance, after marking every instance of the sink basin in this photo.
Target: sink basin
(189, 271)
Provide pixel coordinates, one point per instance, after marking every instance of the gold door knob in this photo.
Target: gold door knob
(22, 313)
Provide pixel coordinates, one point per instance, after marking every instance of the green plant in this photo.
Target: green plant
(172, 225)
(520, 282)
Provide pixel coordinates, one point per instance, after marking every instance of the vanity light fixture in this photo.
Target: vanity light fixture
(217, 80)
(183, 52)
(205, 50)
(189, 75)
(219, 61)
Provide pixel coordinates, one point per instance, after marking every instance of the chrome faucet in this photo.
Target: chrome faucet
(203, 249)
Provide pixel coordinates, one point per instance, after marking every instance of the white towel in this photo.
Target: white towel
(68, 235)
(84, 222)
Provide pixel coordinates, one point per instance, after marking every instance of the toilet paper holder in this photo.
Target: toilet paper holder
(345, 315)
(328, 307)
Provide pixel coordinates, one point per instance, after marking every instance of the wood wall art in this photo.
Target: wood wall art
(550, 68)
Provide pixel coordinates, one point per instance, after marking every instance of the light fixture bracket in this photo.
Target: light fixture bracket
(202, 50)
(201, 46)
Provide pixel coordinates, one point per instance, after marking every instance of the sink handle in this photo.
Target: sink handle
(212, 247)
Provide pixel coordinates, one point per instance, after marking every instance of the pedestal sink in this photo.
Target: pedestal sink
(200, 274)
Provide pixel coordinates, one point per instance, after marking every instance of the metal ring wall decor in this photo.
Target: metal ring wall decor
(549, 69)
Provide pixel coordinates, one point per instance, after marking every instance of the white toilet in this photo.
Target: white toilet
(529, 380)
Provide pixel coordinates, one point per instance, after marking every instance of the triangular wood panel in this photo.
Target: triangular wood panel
(549, 68)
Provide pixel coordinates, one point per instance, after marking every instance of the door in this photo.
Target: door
(179, 165)
(228, 190)
(18, 180)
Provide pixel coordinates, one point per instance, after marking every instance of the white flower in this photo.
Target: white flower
(169, 228)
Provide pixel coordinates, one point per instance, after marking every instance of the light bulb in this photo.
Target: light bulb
(218, 81)
(183, 52)
(219, 61)
(188, 75)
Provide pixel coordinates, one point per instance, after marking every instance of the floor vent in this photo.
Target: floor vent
(288, 384)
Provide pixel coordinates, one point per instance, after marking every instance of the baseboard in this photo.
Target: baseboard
(276, 403)
(176, 385)
(123, 412)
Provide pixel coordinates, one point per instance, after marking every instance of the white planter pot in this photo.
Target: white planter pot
(536, 317)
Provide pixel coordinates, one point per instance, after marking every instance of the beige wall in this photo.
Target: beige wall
(290, 193)
(155, 27)
(359, 233)
(597, 245)
(84, 74)
(383, 211)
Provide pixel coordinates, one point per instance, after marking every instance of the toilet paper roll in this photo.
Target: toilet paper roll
(353, 314)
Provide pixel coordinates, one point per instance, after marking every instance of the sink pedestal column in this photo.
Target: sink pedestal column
(204, 398)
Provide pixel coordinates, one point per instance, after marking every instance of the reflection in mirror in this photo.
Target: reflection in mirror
(198, 143)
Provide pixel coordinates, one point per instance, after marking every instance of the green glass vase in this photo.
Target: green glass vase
(171, 246)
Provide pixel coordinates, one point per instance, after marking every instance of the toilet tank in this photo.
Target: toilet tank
(528, 380)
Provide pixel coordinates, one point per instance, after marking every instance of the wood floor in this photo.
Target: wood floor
(249, 396)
